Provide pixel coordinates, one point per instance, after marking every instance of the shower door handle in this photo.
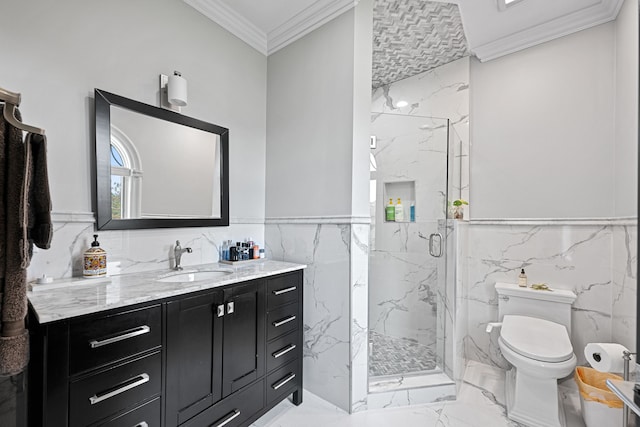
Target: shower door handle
(432, 249)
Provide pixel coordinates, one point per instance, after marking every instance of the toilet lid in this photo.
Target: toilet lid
(536, 339)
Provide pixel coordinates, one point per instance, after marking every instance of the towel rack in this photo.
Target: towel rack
(11, 102)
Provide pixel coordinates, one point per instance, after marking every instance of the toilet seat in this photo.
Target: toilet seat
(536, 339)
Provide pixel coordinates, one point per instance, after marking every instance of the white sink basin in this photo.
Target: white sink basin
(194, 276)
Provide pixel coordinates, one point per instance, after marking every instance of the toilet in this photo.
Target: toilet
(535, 339)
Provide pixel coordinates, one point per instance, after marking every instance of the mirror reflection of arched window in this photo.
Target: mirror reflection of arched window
(126, 176)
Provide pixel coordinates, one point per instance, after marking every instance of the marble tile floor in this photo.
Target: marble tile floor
(399, 356)
(480, 403)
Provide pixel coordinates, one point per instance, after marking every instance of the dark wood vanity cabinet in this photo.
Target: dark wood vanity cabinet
(218, 357)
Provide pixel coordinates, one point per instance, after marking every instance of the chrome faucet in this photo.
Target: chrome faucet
(177, 252)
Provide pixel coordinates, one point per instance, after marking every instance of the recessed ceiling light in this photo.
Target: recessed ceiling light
(401, 104)
(503, 4)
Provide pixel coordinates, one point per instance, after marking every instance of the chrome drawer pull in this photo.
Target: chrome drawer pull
(142, 424)
(141, 330)
(283, 381)
(283, 321)
(139, 380)
(228, 418)
(284, 291)
(283, 351)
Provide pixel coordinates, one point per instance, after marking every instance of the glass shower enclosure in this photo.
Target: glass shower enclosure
(412, 160)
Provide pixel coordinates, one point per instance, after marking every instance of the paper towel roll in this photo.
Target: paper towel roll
(605, 357)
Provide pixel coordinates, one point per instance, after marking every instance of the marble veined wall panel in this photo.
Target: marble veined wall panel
(132, 251)
(328, 346)
(624, 284)
(576, 257)
(359, 316)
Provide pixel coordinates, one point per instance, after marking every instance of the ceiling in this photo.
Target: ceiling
(414, 35)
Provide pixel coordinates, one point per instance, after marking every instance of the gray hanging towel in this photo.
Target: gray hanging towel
(25, 219)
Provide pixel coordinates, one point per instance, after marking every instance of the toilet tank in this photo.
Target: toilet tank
(552, 305)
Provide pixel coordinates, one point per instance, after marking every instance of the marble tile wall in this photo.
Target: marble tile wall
(403, 285)
(131, 251)
(441, 92)
(624, 285)
(595, 259)
(330, 284)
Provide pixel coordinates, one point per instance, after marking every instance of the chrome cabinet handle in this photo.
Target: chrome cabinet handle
(284, 291)
(228, 418)
(142, 424)
(141, 330)
(230, 307)
(283, 381)
(127, 385)
(283, 321)
(432, 251)
(283, 351)
(221, 310)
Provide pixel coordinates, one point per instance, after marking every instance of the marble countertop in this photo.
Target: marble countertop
(75, 297)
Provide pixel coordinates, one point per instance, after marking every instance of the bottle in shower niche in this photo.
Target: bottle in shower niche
(522, 279)
(412, 212)
(399, 211)
(390, 211)
(95, 260)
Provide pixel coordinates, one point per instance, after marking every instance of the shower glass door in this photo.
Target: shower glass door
(409, 162)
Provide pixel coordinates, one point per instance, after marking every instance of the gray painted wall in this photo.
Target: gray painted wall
(310, 123)
(69, 48)
(626, 109)
(542, 130)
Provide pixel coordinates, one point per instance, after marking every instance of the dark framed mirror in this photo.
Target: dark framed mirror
(156, 168)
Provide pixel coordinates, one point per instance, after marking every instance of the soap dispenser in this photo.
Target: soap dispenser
(399, 211)
(95, 260)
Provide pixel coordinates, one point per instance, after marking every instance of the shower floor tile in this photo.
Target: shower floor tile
(396, 356)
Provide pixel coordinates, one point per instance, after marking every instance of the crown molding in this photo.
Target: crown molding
(600, 13)
(291, 30)
(306, 21)
(232, 21)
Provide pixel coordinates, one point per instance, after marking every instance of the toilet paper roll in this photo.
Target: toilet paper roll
(605, 357)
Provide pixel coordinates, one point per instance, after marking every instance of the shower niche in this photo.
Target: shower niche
(405, 191)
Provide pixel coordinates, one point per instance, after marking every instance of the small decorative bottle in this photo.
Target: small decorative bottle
(522, 279)
(95, 260)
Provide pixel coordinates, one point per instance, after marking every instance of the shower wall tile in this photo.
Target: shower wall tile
(403, 295)
(624, 289)
(576, 257)
(441, 92)
(328, 287)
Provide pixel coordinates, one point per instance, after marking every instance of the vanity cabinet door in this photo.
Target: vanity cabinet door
(244, 335)
(194, 356)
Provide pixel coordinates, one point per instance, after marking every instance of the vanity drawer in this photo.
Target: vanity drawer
(283, 381)
(147, 415)
(233, 411)
(113, 390)
(282, 350)
(283, 290)
(107, 339)
(282, 320)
